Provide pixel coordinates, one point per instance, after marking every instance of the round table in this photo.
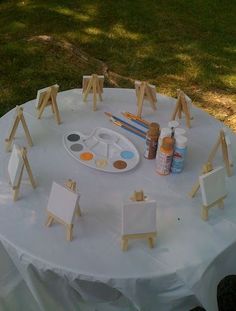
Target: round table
(91, 271)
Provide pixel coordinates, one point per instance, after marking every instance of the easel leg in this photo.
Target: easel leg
(204, 213)
(17, 188)
(124, 244)
(87, 89)
(27, 133)
(49, 221)
(78, 211)
(56, 111)
(95, 93)
(30, 174)
(69, 232)
(140, 99)
(151, 242)
(221, 204)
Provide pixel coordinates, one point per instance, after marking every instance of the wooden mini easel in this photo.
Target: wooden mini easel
(182, 107)
(71, 185)
(23, 154)
(205, 208)
(150, 236)
(49, 98)
(93, 84)
(19, 117)
(207, 167)
(145, 91)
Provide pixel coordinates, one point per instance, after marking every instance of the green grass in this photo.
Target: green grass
(173, 44)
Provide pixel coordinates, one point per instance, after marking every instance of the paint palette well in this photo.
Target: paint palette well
(103, 149)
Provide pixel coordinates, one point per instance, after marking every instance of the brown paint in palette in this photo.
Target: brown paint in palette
(120, 165)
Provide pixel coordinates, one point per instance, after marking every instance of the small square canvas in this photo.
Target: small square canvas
(213, 186)
(139, 217)
(62, 203)
(15, 165)
(40, 95)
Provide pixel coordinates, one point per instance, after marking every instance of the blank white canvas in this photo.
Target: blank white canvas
(139, 217)
(213, 185)
(62, 203)
(15, 165)
(39, 97)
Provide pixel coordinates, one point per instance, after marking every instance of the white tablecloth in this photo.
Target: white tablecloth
(91, 272)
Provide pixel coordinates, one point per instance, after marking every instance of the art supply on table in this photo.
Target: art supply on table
(179, 131)
(138, 219)
(121, 123)
(48, 97)
(152, 141)
(145, 91)
(93, 84)
(136, 119)
(180, 150)
(182, 106)
(17, 163)
(103, 149)
(165, 156)
(173, 124)
(165, 132)
(19, 117)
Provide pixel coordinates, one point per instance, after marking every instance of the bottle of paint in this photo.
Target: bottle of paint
(173, 124)
(179, 131)
(165, 132)
(164, 156)
(180, 150)
(152, 141)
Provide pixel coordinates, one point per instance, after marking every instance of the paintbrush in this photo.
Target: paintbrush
(126, 123)
(136, 119)
(118, 123)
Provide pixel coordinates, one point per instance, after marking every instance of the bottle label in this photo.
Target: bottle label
(163, 163)
(178, 160)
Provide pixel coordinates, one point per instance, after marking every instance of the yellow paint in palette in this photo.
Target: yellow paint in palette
(101, 163)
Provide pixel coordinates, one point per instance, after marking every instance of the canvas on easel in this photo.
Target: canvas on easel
(93, 84)
(145, 91)
(17, 162)
(48, 97)
(182, 106)
(138, 220)
(18, 117)
(213, 190)
(208, 166)
(63, 204)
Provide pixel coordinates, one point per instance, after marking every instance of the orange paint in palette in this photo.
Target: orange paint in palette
(103, 149)
(86, 156)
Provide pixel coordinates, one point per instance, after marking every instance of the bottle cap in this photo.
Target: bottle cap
(168, 143)
(173, 124)
(165, 131)
(179, 131)
(181, 141)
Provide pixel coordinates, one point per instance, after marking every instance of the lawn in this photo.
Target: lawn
(173, 44)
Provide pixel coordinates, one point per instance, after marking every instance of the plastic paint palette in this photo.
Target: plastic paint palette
(103, 149)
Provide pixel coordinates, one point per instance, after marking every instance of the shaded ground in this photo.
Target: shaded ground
(173, 44)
